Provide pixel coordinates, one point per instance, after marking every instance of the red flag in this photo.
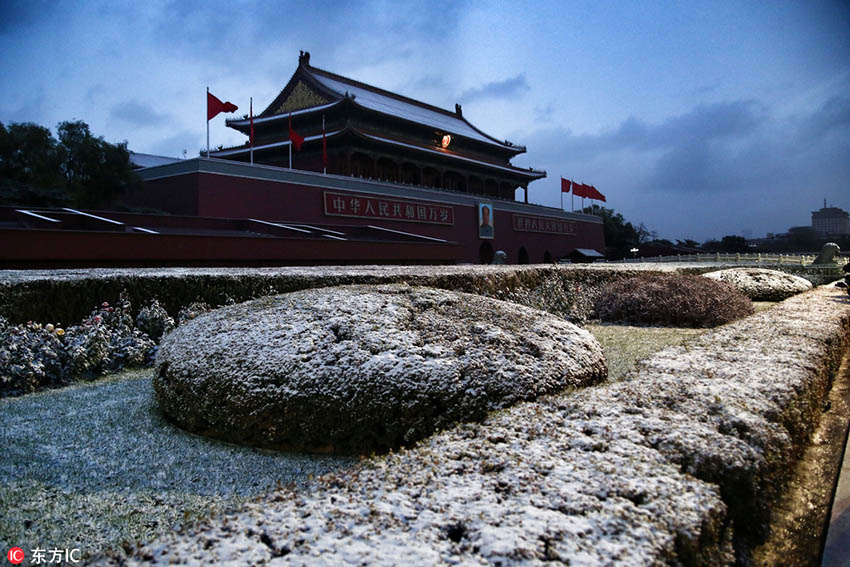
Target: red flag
(597, 195)
(581, 190)
(324, 145)
(214, 106)
(293, 136)
(251, 112)
(565, 185)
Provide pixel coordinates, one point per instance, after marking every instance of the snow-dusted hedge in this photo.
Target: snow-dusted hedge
(760, 284)
(677, 465)
(674, 300)
(67, 295)
(355, 369)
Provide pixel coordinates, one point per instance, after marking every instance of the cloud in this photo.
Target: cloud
(138, 114)
(704, 129)
(544, 113)
(173, 146)
(713, 170)
(832, 116)
(508, 88)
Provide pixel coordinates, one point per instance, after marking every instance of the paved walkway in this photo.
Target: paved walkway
(837, 548)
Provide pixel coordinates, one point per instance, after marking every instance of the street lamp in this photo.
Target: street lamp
(634, 252)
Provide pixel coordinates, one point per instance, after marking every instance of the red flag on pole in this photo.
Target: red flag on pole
(214, 106)
(293, 136)
(596, 194)
(580, 190)
(565, 185)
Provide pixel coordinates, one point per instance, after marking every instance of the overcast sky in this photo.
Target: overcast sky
(699, 119)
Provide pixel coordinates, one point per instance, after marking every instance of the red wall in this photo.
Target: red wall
(176, 195)
(239, 197)
(53, 248)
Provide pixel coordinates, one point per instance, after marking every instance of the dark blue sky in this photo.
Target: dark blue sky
(699, 119)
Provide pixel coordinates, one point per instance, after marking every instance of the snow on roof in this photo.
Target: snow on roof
(150, 160)
(232, 122)
(407, 109)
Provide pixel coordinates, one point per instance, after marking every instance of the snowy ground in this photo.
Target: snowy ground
(92, 465)
(676, 464)
(101, 466)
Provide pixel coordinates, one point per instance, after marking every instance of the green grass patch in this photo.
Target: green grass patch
(624, 345)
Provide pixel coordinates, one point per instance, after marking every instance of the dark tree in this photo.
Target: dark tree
(96, 171)
(687, 243)
(620, 235)
(732, 243)
(78, 168)
(728, 244)
(30, 166)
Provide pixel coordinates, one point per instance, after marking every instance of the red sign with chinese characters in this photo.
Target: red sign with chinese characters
(524, 223)
(381, 208)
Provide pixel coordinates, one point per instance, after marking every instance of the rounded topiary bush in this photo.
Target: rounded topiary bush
(358, 368)
(674, 300)
(760, 284)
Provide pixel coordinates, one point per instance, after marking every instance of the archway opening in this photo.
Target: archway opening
(410, 174)
(386, 169)
(362, 166)
(430, 177)
(523, 256)
(485, 253)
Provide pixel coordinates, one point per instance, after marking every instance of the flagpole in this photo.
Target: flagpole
(572, 197)
(583, 191)
(290, 139)
(251, 111)
(324, 148)
(208, 122)
(562, 194)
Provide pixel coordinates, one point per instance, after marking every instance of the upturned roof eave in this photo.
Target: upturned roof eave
(239, 123)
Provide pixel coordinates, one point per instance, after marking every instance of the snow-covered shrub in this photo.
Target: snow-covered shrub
(31, 356)
(191, 311)
(154, 320)
(674, 300)
(35, 356)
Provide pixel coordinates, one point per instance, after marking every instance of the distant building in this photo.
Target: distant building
(831, 220)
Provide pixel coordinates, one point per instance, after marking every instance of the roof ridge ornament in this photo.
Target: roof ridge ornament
(304, 58)
(458, 110)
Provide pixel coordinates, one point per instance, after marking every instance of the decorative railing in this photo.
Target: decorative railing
(801, 264)
(790, 259)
